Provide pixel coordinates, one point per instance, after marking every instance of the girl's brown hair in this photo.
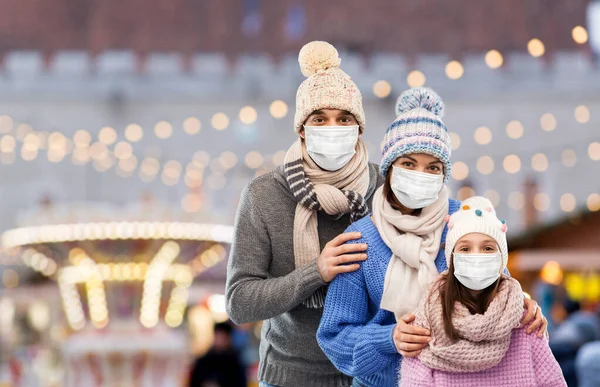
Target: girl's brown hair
(452, 291)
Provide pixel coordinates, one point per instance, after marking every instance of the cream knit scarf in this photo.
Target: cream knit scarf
(486, 337)
(415, 242)
(336, 193)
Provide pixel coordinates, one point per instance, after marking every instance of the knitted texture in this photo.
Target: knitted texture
(418, 128)
(263, 282)
(477, 215)
(485, 338)
(527, 363)
(326, 86)
(335, 193)
(415, 244)
(355, 333)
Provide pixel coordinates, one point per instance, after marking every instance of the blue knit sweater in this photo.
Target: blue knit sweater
(355, 333)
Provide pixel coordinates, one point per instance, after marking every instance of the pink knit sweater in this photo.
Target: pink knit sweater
(527, 363)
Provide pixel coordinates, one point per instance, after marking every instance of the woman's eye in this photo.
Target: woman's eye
(436, 169)
(318, 120)
(464, 249)
(407, 164)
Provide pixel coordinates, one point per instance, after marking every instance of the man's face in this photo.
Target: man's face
(329, 117)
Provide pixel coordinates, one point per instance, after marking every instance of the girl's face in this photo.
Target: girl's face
(420, 162)
(476, 243)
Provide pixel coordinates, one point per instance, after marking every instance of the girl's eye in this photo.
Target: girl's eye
(464, 249)
(490, 248)
(435, 168)
(318, 119)
(407, 164)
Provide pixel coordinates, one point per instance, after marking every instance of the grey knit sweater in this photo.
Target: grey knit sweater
(263, 283)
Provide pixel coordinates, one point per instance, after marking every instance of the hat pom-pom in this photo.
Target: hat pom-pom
(420, 97)
(316, 56)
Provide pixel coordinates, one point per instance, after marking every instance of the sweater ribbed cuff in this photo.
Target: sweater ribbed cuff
(383, 339)
(311, 279)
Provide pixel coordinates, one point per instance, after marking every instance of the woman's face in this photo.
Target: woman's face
(420, 162)
(476, 243)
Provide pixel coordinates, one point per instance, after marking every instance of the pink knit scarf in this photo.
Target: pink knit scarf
(486, 337)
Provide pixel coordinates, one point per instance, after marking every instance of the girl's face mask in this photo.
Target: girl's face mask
(477, 271)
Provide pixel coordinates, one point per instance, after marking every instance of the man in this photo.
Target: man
(289, 240)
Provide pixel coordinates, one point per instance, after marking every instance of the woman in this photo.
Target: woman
(473, 310)
(359, 330)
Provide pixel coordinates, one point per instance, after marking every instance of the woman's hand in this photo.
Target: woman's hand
(409, 339)
(535, 317)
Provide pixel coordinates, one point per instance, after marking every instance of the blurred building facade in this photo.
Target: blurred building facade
(176, 68)
(278, 27)
(169, 108)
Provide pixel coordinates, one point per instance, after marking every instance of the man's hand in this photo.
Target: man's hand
(336, 255)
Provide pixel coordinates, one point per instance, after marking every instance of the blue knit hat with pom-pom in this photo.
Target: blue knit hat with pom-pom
(418, 128)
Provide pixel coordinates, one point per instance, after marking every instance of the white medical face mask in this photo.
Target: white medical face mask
(416, 189)
(477, 271)
(331, 147)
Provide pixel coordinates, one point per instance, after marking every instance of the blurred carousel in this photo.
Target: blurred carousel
(124, 281)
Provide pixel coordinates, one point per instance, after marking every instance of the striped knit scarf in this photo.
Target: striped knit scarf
(336, 193)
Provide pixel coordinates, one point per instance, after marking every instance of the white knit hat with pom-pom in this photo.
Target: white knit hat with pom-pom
(418, 128)
(476, 215)
(326, 86)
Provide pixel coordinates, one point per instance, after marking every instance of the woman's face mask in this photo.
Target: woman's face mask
(416, 189)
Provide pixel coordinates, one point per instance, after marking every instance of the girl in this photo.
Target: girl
(358, 330)
(473, 310)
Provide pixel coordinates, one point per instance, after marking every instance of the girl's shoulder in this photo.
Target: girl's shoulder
(522, 342)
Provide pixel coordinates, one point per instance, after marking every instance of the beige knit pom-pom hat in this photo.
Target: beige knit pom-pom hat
(326, 86)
